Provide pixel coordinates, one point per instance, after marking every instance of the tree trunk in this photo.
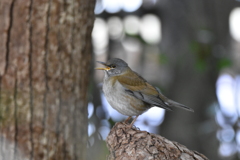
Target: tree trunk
(45, 53)
(132, 144)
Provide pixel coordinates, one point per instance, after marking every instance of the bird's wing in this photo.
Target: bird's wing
(138, 87)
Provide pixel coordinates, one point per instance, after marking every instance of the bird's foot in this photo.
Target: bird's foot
(126, 121)
(131, 124)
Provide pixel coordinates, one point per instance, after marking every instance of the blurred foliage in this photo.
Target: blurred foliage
(224, 63)
(204, 56)
(163, 59)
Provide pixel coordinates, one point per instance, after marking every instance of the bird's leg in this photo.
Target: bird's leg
(133, 121)
(126, 121)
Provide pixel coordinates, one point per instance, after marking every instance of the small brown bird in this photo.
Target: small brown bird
(129, 93)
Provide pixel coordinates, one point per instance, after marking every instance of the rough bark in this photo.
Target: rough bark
(45, 53)
(126, 143)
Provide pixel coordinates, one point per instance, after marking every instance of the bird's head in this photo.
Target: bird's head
(114, 67)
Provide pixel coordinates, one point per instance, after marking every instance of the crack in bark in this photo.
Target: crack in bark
(72, 44)
(74, 73)
(58, 118)
(9, 35)
(45, 108)
(46, 65)
(30, 82)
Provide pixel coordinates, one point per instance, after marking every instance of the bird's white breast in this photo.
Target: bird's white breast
(120, 100)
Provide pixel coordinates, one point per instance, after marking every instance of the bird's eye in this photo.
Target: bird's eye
(113, 66)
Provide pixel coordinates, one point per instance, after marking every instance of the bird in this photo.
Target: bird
(129, 93)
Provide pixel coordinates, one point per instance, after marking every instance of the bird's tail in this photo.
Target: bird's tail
(172, 103)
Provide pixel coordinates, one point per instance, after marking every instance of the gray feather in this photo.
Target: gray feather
(152, 100)
(172, 103)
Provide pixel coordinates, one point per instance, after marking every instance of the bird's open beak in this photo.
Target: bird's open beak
(107, 67)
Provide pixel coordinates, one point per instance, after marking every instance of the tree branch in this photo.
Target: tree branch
(126, 143)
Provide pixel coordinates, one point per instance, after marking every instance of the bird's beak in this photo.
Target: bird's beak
(107, 67)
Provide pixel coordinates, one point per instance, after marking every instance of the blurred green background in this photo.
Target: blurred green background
(188, 49)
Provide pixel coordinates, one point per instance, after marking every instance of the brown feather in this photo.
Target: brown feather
(134, 82)
(139, 88)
